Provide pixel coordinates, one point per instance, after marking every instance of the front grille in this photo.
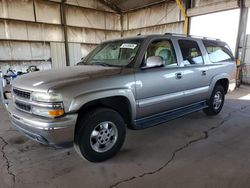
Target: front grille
(21, 94)
(21, 106)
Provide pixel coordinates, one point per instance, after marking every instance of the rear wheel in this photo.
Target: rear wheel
(100, 135)
(216, 101)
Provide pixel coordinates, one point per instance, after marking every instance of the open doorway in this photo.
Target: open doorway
(222, 25)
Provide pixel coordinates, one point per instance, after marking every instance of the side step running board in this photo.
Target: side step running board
(169, 115)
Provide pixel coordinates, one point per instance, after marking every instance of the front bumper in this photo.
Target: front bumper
(57, 132)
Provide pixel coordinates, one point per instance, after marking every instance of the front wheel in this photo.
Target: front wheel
(216, 101)
(100, 134)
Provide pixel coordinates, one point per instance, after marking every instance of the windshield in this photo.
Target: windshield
(116, 53)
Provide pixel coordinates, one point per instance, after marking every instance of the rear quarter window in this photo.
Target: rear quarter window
(218, 51)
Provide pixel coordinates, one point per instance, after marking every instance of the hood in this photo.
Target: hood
(44, 80)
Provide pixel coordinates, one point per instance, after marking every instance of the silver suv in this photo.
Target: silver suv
(130, 82)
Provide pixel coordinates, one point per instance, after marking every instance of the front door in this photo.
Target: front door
(159, 89)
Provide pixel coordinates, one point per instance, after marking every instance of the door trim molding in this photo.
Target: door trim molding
(172, 96)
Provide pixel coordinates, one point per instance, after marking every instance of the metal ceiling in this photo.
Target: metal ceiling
(119, 6)
(128, 5)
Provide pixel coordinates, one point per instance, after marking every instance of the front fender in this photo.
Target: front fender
(83, 99)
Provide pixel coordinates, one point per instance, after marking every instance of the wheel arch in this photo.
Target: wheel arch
(118, 103)
(224, 82)
(222, 79)
(122, 102)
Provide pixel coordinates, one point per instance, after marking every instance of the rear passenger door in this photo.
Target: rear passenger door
(196, 82)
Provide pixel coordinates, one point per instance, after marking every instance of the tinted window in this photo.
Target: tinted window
(164, 49)
(218, 51)
(191, 52)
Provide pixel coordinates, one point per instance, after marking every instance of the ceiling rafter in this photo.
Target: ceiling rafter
(111, 5)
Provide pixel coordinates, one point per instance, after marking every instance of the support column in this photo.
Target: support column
(241, 30)
(65, 31)
(184, 13)
(239, 50)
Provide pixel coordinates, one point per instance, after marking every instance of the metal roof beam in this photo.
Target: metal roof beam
(111, 5)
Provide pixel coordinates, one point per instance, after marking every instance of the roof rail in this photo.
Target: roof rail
(176, 34)
(193, 36)
(210, 38)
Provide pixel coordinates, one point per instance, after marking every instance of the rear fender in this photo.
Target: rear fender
(214, 81)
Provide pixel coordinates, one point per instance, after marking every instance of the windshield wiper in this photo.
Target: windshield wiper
(105, 64)
(97, 63)
(102, 64)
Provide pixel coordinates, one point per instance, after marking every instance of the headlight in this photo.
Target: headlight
(51, 110)
(52, 105)
(46, 97)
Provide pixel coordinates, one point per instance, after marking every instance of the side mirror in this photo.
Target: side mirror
(81, 61)
(154, 61)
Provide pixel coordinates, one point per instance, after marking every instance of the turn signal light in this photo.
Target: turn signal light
(56, 113)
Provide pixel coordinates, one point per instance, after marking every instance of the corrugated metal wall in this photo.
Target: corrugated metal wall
(57, 55)
(31, 32)
(161, 18)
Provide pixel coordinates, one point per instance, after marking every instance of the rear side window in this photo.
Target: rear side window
(191, 52)
(218, 51)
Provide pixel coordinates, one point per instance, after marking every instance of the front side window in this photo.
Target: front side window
(191, 52)
(218, 51)
(163, 49)
(114, 53)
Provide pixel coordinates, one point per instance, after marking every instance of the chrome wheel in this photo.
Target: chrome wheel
(217, 100)
(103, 136)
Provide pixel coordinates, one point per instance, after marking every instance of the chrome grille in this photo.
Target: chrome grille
(22, 106)
(21, 94)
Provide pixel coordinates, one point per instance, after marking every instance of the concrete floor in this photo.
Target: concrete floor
(193, 151)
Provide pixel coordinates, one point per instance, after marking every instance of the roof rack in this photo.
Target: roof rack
(176, 34)
(193, 36)
(210, 38)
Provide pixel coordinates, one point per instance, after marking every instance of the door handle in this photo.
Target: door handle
(178, 75)
(204, 73)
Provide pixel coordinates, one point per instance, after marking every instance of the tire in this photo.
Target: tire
(216, 101)
(100, 134)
